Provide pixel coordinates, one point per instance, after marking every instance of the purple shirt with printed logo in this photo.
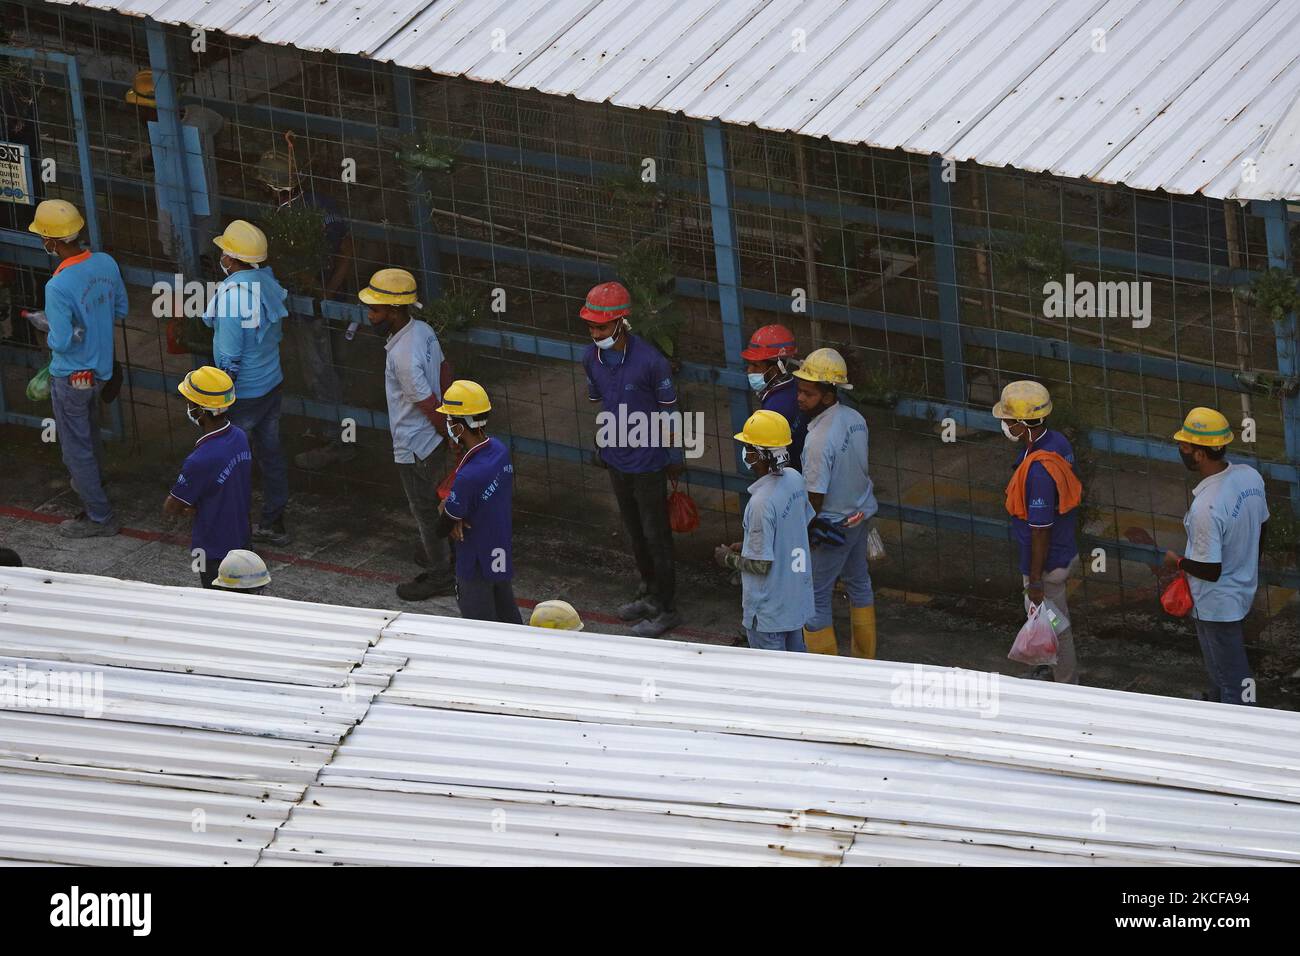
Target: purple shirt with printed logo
(642, 383)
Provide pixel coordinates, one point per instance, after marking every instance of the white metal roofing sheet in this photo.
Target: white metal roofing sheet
(1077, 730)
(1183, 92)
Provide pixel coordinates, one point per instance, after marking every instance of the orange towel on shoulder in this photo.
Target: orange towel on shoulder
(1069, 490)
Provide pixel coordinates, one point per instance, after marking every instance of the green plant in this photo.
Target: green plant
(297, 248)
(647, 271)
(1034, 250)
(1274, 292)
(454, 311)
(1283, 534)
(427, 151)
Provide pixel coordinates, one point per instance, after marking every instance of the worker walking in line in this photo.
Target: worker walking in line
(83, 299)
(479, 508)
(243, 571)
(633, 382)
(1042, 499)
(556, 615)
(774, 558)
(841, 494)
(246, 316)
(412, 376)
(769, 364)
(1226, 528)
(215, 485)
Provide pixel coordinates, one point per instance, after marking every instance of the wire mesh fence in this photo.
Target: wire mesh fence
(939, 282)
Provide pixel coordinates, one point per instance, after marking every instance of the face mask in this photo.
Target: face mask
(757, 380)
(224, 268)
(1006, 430)
(608, 343)
(52, 253)
(1189, 460)
(193, 414)
(749, 465)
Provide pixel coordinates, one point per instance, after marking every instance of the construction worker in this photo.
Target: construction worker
(773, 559)
(207, 124)
(769, 365)
(412, 369)
(83, 299)
(633, 381)
(309, 335)
(215, 485)
(479, 508)
(840, 491)
(1042, 499)
(1226, 527)
(556, 615)
(246, 315)
(243, 571)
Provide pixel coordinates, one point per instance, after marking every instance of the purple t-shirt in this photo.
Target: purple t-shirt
(1041, 505)
(781, 398)
(217, 481)
(632, 391)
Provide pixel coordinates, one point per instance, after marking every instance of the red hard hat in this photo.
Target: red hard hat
(606, 302)
(769, 342)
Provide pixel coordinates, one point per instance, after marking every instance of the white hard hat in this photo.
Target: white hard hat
(242, 571)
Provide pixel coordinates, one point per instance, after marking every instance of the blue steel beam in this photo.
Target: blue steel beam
(727, 255)
(945, 268)
(1277, 232)
(172, 174)
(421, 212)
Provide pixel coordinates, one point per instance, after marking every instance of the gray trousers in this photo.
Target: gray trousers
(1066, 670)
(420, 482)
(1224, 650)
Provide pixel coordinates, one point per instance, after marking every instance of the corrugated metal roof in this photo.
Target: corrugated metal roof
(1181, 93)
(663, 753)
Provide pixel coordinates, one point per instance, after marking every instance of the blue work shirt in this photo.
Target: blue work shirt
(412, 370)
(85, 292)
(633, 387)
(1041, 506)
(776, 530)
(481, 496)
(835, 463)
(246, 317)
(781, 397)
(1223, 528)
(217, 481)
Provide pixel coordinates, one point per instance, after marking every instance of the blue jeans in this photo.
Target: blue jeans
(846, 562)
(1224, 650)
(76, 428)
(260, 419)
(776, 640)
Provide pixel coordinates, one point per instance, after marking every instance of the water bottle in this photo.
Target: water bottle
(352, 329)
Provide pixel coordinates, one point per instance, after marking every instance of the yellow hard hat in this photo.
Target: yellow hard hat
(208, 387)
(558, 615)
(389, 287)
(765, 429)
(1205, 427)
(825, 365)
(56, 219)
(242, 571)
(464, 399)
(243, 241)
(1023, 401)
(142, 90)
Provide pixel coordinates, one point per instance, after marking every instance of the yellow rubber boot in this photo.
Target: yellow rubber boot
(820, 642)
(863, 620)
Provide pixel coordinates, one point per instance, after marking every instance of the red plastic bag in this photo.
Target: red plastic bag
(1177, 598)
(176, 338)
(444, 486)
(1036, 642)
(683, 516)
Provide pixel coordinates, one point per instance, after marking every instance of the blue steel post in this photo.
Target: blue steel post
(727, 255)
(171, 174)
(945, 267)
(421, 213)
(1279, 257)
(83, 152)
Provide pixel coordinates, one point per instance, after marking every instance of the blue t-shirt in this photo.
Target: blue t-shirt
(84, 293)
(835, 463)
(776, 530)
(217, 481)
(633, 388)
(782, 399)
(245, 316)
(481, 496)
(1041, 505)
(1223, 528)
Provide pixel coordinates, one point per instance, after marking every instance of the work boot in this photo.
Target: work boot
(661, 623)
(1041, 672)
(272, 534)
(335, 453)
(425, 586)
(83, 527)
(640, 607)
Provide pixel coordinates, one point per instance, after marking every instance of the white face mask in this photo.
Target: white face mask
(608, 343)
(1006, 430)
(757, 380)
(193, 414)
(224, 268)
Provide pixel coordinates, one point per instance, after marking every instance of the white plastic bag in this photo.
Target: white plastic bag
(875, 547)
(1036, 642)
(1055, 616)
